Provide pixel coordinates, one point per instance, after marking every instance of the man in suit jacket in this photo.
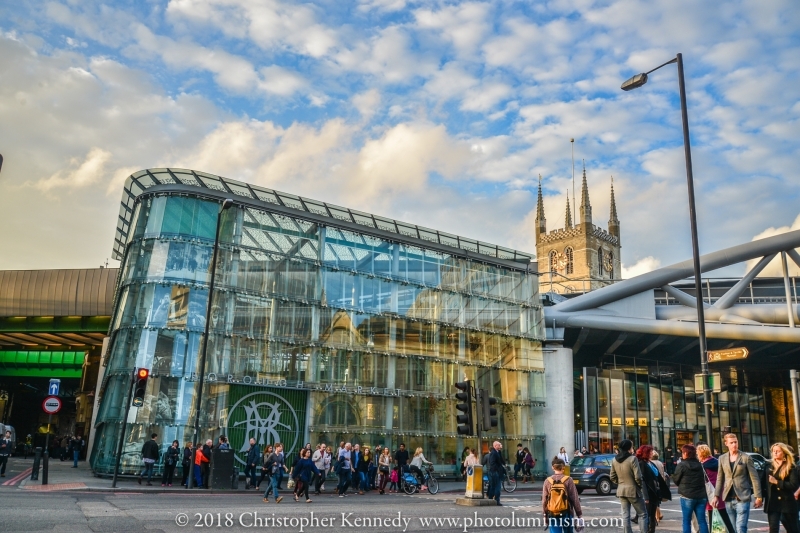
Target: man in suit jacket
(737, 482)
(356, 457)
(625, 473)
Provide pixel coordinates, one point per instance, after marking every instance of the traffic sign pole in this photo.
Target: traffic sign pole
(50, 405)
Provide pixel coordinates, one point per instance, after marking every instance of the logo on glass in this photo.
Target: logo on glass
(266, 417)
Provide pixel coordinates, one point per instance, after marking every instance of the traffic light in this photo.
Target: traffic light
(140, 386)
(488, 411)
(465, 397)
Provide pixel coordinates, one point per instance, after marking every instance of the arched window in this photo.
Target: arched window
(600, 265)
(570, 263)
(610, 262)
(553, 261)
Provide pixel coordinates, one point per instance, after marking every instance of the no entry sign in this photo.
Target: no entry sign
(51, 405)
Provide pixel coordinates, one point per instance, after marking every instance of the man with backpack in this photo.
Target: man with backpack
(560, 502)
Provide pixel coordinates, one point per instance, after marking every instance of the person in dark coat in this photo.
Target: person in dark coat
(303, 472)
(691, 482)
(495, 465)
(206, 465)
(650, 484)
(252, 465)
(171, 457)
(781, 481)
(186, 463)
(150, 454)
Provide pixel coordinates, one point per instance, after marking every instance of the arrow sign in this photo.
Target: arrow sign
(55, 385)
(51, 405)
(731, 354)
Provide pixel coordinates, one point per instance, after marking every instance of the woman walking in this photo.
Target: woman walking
(691, 482)
(303, 471)
(265, 471)
(781, 481)
(650, 484)
(711, 467)
(384, 468)
(529, 463)
(171, 457)
(186, 464)
(362, 468)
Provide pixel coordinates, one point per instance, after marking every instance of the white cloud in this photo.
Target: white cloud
(642, 266)
(775, 267)
(80, 173)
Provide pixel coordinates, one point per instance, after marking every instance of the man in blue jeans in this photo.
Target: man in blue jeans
(345, 467)
(77, 446)
(276, 458)
(737, 483)
(496, 466)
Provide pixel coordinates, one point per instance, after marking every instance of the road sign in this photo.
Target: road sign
(714, 382)
(731, 354)
(55, 385)
(51, 405)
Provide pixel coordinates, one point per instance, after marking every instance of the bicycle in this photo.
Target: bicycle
(509, 482)
(411, 485)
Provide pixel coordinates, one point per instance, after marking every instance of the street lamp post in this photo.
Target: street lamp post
(227, 203)
(634, 83)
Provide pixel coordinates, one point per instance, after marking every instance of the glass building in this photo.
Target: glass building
(651, 402)
(327, 324)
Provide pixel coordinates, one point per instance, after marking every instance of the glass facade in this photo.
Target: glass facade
(655, 403)
(318, 331)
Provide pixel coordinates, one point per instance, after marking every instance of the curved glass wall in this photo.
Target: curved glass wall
(317, 334)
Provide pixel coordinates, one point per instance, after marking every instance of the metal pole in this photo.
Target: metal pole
(701, 325)
(796, 402)
(787, 290)
(121, 439)
(203, 352)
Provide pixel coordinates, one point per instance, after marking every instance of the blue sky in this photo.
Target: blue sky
(438, 113)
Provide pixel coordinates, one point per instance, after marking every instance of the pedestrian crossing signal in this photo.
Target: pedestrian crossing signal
(140, 386)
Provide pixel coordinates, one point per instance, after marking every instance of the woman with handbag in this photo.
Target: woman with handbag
(663, 484)
(782, 481)
(265, 470)
(186, 464)
(650, 481)
(690, 479)
(384, 468)
(711, 468)
(170, 462)
(303, 471)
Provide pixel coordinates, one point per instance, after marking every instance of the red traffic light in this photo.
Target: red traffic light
(143, 373)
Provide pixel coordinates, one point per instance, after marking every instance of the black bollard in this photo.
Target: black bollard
(45, 466)
(37, 457)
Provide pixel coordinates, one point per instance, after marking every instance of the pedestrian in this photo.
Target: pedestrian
(529, 464)
(266, 470)
(626, 474)
(356, 457)
(560, 502)
(186, 464)
(711, 467)
(150, 454)
(77, 445)
(252, 462)
(669, 461)
(5, 452)
(563, 455)
(782, 481)
(691, 481)
(519, 462)
(374, 470)
(171, 457)
(328, 462)
(206, 466)
(471, 459)
(319, 461)
(650, 484)
(199, 460)
(303, 472)
(277, 463)
(364, 466)
(496, 467)
(416, 467)
(737, 483)
(401, 457)
(664, 492)
(344, 469)
(384, 469)
(394, 478)
(64, 447)
(223, 443)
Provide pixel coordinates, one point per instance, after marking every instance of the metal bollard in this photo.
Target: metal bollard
(37, 457)
(45, 466)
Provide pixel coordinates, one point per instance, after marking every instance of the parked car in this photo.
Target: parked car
(592, 472)
(759, 461)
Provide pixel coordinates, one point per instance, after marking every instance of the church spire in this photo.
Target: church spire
(541, 226)
(586, 206)
(568, 218)
(613, 221)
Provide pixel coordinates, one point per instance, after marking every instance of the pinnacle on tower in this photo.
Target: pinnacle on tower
(586, 206)
(541, 226)
(613, 221)
(568, 218)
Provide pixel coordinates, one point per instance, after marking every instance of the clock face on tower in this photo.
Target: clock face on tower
(608, 263)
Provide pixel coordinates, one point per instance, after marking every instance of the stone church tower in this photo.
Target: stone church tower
(579, 257)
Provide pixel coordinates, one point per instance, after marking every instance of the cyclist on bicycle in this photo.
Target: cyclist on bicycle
(416, 467)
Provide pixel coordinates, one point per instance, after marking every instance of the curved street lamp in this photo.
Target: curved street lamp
(634, 83)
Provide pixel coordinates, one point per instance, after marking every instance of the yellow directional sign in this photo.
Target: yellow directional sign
(731, 354)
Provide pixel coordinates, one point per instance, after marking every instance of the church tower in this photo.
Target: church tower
(579, 257)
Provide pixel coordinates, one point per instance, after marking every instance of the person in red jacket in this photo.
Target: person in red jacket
(199, 459)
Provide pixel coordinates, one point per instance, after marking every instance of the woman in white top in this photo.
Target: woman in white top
(416, 467)
(471, 459)
(563, 455)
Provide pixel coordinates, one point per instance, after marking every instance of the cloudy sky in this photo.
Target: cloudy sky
(439, 113)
